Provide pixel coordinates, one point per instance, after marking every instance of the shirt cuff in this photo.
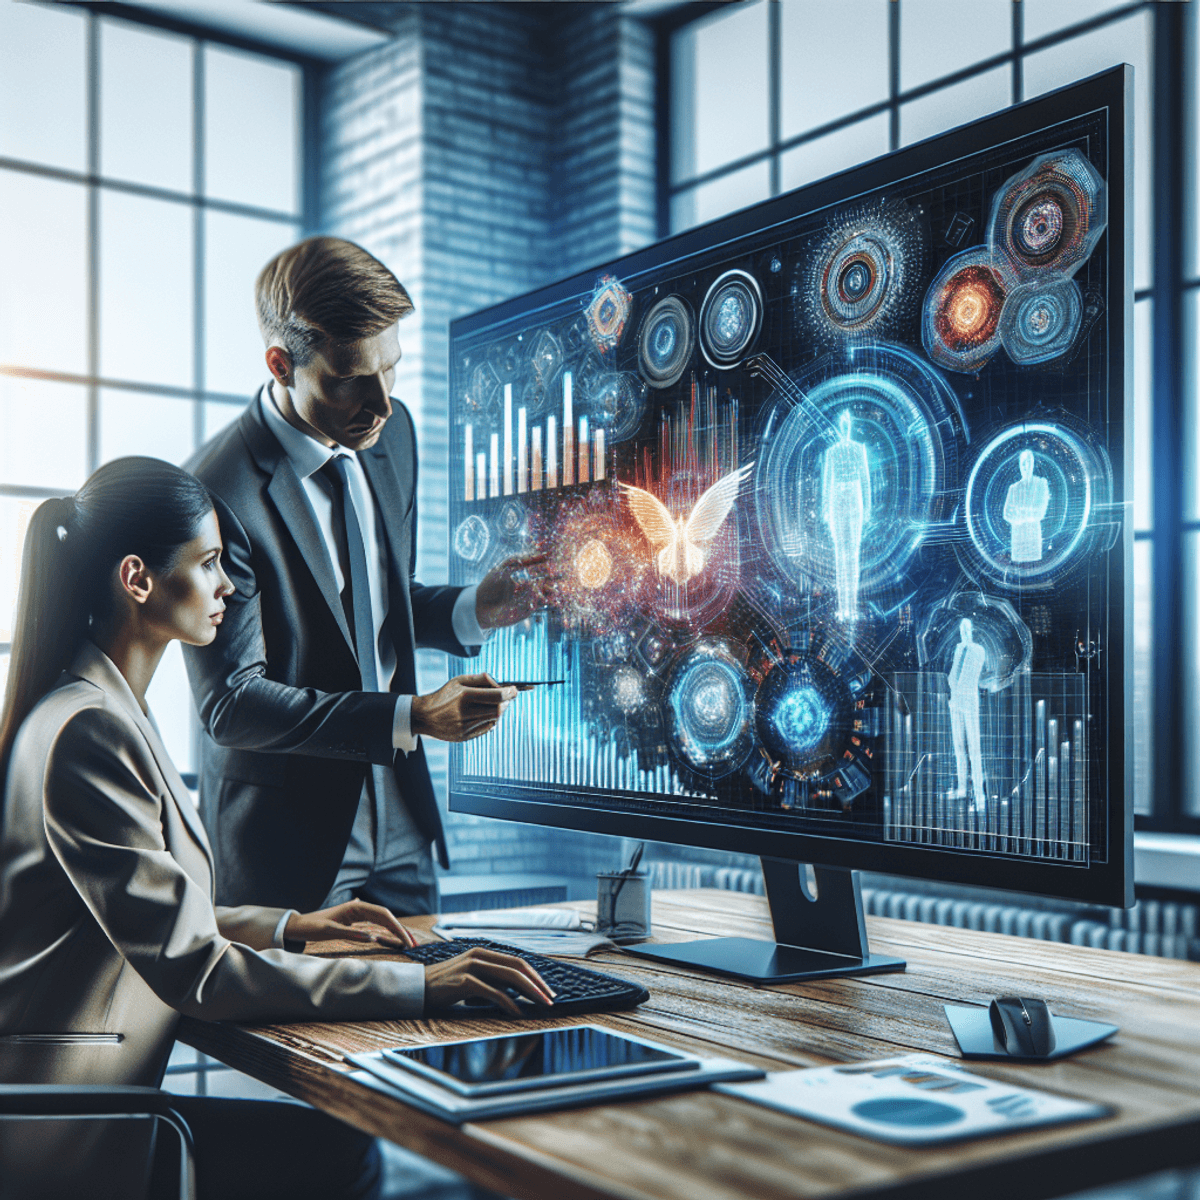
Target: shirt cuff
(466, 624)
(277, 940)
(402, 734)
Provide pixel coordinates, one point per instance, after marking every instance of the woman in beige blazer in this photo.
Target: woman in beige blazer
(108, 930)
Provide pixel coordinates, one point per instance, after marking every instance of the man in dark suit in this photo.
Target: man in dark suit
(313, 781)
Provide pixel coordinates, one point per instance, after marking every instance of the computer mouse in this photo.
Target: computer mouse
(1024, 1027)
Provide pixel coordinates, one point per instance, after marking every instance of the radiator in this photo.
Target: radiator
(1155, 927)
(1161, 928)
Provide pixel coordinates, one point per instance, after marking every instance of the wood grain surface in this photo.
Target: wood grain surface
(703, 1146)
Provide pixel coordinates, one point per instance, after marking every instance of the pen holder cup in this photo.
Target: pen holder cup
(623, 905)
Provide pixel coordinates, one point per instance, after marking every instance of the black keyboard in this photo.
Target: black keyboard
(577, 989)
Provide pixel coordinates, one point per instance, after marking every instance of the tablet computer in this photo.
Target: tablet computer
(490, 1066)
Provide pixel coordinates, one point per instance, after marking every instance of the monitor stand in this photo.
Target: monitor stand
(816, 937)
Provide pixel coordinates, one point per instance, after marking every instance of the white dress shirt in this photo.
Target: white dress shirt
(307, 457)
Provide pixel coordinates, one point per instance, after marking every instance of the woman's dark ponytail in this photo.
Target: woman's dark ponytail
(139, 506)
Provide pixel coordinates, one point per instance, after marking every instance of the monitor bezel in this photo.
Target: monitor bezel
(1110, 882)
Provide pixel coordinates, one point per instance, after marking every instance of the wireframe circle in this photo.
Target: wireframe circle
(730, 318)
(483, 392)
(545, 357)
(1041, 319)
(865, 275)
(617, 402)
(666, 342)
(1042, 536)
(472, 538)
(898, 411)
(607, 312)
(960, 328)
(1050, 215)
(710, 710)
(1039, 224)
(802, 712)
(513, 521)
(855, 280)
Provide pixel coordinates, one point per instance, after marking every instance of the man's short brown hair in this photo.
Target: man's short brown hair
(326, 289)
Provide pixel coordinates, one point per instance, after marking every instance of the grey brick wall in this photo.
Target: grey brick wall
(485, 151)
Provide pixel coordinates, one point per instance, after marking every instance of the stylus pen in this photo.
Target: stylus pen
(532, 683)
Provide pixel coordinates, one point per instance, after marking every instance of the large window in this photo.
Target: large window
(145, 177)
(772, 94)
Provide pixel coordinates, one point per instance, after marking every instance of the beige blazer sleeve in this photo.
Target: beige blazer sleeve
(250, 924)
(104, 798)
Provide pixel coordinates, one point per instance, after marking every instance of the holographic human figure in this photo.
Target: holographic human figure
(846, 508)
(969, 660)
(1025, 507)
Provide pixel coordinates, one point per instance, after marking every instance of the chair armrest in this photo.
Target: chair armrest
(72, 1101)
(77, 1100)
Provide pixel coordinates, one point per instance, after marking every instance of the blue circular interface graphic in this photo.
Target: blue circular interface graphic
(666, 342)
(730, 318)
(801, 712)
(802, 718)
(1040, 319)
(1029, 501)
(710, 710)
(853, 460)
(617, 401)
(471, 539)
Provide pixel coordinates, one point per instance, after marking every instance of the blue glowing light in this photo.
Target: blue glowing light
(664, 340)
(731, 317)
(709, 710)
(802, 718)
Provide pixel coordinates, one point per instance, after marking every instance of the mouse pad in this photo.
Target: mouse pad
(973, 1029)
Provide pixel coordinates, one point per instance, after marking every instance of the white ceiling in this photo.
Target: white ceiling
(283, 26)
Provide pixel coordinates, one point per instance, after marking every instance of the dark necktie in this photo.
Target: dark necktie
(356, 595)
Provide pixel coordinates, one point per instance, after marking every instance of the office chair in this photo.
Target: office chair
(49, 1101)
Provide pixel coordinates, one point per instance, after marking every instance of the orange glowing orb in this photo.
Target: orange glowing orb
(593, 564)
(969, 311)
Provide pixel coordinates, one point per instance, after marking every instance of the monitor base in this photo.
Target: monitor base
(820, 932)
(765, 962)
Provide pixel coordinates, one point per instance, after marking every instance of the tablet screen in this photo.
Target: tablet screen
(547, 1058)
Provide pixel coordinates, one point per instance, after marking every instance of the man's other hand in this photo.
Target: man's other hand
(464, 708)
(508, 593)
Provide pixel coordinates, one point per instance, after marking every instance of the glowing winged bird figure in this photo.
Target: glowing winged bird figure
(682, 542)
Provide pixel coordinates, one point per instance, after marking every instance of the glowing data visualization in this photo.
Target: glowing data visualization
(830, 497)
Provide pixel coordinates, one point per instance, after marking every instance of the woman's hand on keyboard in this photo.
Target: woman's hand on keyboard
(341, 921)
(484, 974)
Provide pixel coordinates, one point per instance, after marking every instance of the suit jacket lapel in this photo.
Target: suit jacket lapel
(287, 494)
(393, 504)
(179, 790)
(92, 664)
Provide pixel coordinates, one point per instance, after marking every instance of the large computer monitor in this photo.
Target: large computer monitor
(834, 489)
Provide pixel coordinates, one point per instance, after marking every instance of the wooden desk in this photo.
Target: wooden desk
(701, 1146)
